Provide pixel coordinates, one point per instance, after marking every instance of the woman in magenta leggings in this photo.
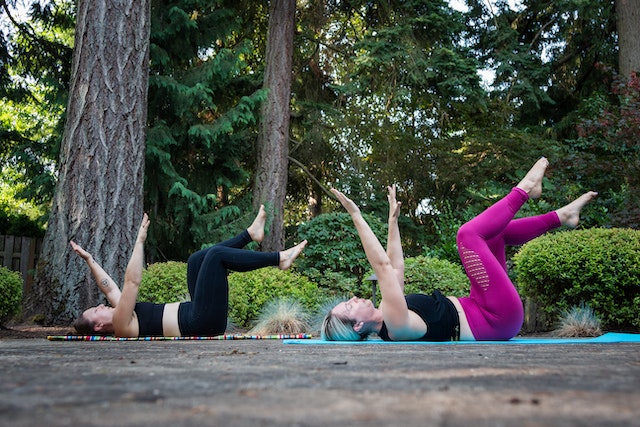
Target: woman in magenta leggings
(492, 311)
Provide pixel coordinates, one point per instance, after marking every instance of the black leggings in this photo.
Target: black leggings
(207, 271)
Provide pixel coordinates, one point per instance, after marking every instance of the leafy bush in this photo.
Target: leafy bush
(334, 244)
(334, 283)
(250, 291)
(598, 267)
(424, 274)
(10, 293)
(164, 282)
(19, 225)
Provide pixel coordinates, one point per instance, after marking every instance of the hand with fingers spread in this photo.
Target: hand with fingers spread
(348, 204)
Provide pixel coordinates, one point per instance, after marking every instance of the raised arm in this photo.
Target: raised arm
(393, 304)
(394, 244)
(124, 322)
(105, 283)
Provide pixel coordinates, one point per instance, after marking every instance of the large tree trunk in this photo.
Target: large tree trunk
(98, 198)
(273, 138)
(628, 16)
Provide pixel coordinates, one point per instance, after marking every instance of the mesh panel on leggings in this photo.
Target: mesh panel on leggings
(474, 268)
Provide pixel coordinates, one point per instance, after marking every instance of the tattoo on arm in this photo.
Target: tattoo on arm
(104, 283)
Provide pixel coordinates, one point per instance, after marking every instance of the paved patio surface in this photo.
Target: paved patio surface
(268, 383)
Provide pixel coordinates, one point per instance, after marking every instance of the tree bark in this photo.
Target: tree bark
(273, 138)
(628, 22)
(98, 197)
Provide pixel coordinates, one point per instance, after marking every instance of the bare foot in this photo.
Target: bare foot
(288, 256)
(256, 229)
(532, 181)
(570, 214)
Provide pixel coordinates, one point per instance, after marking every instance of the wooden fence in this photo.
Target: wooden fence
(21, 254)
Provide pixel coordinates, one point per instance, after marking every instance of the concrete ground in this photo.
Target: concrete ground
(268, 383)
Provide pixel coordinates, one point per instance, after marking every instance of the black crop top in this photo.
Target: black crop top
(149, 319)
(438, 312)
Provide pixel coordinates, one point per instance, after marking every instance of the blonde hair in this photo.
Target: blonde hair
(335, 328)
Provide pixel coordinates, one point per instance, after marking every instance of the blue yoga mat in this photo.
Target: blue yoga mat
(610, 337)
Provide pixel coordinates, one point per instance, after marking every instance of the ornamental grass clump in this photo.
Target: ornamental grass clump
(580, 321)
(282, 316)
(250, 291)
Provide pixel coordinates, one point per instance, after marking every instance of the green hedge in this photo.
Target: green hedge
(423, 274)
(164, 282)
(598, 267)
(250, 291)
(10, 293)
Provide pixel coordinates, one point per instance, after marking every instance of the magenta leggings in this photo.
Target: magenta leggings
(493, 308)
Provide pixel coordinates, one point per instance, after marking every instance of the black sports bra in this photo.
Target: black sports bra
(149, 319)
(438, 312)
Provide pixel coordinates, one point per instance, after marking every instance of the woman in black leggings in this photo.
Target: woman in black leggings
(207, 271)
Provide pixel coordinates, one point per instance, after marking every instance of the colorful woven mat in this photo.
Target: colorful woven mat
(218, 337)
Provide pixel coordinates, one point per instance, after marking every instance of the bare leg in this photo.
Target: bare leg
(569, 215)
(256, 229)
(532, 182)
(288, 256)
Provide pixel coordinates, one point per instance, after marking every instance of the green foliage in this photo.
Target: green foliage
(606, 155)
(250, 291)
(334, 245)
(445, 227)
(425, 274)
(335, 283)
(600, 267)
(10, 293)
(203, 105)
(164, 282)
(36, 70)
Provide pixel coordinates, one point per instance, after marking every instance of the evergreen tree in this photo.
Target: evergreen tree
(35, 59)
(204, 95)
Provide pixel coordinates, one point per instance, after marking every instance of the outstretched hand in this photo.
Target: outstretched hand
(142, 231)
(348, 204)
(394, 205)
(81, 252)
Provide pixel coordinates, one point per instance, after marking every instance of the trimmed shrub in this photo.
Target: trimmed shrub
(164, 282)
(598, 267)
(250, 291)
(10, 293)
(424, 274)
